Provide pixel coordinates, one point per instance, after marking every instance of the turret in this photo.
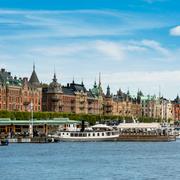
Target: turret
(34, 81)
(108, 94)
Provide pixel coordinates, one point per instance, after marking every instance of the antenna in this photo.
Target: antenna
(159, 91)
(99, 78)
(54, 69)
(33, 66)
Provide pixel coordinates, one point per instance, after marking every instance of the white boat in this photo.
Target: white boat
(95, 133)
(177, 132)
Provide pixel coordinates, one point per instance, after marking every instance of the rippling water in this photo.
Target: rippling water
(91, 160)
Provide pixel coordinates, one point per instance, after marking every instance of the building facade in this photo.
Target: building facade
(176, 109)
(73, 98)
(16, 94)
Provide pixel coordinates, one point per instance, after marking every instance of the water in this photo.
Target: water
(92, 160)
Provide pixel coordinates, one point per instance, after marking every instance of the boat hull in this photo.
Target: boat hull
(4, 142)
(87, 139)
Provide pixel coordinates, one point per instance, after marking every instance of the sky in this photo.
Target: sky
(135, 44)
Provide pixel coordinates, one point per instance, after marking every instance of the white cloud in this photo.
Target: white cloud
(110, 49)
(175, 31)
(43, 24)
(148, 81)
(143, 76)
(156, 46)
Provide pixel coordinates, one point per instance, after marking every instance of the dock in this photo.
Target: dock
(33, 140)
(146, 138)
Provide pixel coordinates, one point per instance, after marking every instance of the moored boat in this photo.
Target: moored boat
(4, 142)
(94, 133)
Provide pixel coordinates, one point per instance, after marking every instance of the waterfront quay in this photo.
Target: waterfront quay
(18, 131)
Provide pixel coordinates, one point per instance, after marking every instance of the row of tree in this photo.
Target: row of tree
(92, 119)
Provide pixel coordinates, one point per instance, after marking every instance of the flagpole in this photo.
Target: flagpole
(32, 114)
(31, 121)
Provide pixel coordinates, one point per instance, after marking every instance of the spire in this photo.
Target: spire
(54, 86)
(159, 91)
(33, 66)
(34, 81)
(99, 79)
(95, 85)
(82, 82)
(73, 80)
(108, 94)
(99, 86)
(54, 78)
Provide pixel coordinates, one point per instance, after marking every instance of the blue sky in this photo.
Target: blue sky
(134, 44)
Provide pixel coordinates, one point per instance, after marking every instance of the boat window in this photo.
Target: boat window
(97, 134)
(84, 134)
(72, 134)
(80, 134)
(93, 134)
(89, 134)
(108, 133)
(76, 134)
(102, 134)
(67, 133)
(63, 133)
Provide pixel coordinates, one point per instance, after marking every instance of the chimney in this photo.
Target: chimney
(2, 70)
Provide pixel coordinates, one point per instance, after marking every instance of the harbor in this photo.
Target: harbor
(62, 129)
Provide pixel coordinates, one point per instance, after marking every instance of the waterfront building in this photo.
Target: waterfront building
(157, 107)
(43, 126)
(16, 94)
(176, 109)
(72, 98)
(121, 104)
(167, 110)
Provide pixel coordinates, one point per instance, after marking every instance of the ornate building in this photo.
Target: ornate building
(16, 94)
(73, 98)
(176, 109)
(157, 108)
(121, 104)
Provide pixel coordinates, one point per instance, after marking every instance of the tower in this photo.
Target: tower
(34, 81)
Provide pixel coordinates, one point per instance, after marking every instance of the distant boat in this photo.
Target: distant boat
(4, 142)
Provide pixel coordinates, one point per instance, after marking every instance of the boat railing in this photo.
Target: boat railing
(88, 133)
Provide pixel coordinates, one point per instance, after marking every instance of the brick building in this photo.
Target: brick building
(176, 109)
(121, 104)
(17, 93)
(73, 98)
